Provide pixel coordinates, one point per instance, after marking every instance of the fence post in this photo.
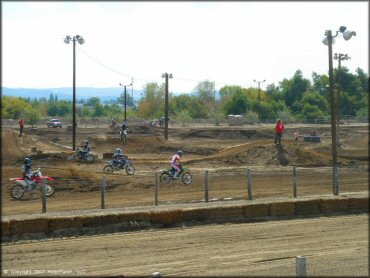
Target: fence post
(249, 184)
(30, 187)
(103, 193)
(156, 189)
(206, 186)
(43, 191)
(294, 182)
(300, 266)
(335, 180)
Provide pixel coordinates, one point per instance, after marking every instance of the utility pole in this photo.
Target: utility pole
(259, 99)
(81, 41)
(132, 91)
(340, 57)
(332, 113)
(125, 98)
(166, 76)
(329, 40)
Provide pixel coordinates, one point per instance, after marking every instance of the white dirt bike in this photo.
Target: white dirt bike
(123, 135)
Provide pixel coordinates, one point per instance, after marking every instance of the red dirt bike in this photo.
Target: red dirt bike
(114, 126)
(21, 186)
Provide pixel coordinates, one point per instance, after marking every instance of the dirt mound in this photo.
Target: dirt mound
(265, 153)
(13, 146)
(225, 134)
(272, 155)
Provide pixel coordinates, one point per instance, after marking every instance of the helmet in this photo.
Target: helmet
(180, 153)
(27, 160)
(117, 151)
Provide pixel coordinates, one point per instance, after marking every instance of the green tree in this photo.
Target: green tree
(294, 89)
(33, 115)
(152, 104)
(64, 108)
(237, 105)
(314, 105)
(52, 110)
(205, 91)
(198, 111)
(93, 101)
(85, 112)
(98, 110)
(14, 107)
(183, 115)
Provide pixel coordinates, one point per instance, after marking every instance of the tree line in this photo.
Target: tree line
(295, 98)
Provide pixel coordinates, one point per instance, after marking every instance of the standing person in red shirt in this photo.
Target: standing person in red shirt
(21, 124)
(278, 131)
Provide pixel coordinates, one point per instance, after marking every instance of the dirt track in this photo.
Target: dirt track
(333, 246)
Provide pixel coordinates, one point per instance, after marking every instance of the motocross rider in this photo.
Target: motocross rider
(175, 163)
(27, 172)
(119, 157)
(85, 149)
(113, 123)
(124, 126)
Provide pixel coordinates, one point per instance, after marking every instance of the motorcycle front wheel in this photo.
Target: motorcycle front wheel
(17, 192)
(108, 169)
(130, 169)
(123, 137)
(50, 191)
(186, 178)
(164, 178)
(71, 157)
(90, 158)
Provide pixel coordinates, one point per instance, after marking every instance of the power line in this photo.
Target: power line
(102, 64)
(142, 79)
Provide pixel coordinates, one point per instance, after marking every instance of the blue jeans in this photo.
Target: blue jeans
(278, 138)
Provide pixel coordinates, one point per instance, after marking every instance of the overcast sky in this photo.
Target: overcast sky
(229, 43)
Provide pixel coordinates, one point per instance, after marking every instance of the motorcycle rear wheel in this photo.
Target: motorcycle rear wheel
(130, 169)
(108, 169)
(17, 192)
(186, 178)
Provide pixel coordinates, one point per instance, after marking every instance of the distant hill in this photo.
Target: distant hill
(82, 93)
(106, 95)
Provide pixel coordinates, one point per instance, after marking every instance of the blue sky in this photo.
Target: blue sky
(230, 43)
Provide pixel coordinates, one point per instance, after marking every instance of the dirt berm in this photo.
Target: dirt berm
(88, 222)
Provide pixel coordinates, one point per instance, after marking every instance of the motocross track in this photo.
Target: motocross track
(246, 249)
(225, 152)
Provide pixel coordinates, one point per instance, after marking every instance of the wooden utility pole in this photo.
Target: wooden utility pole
(166, 118)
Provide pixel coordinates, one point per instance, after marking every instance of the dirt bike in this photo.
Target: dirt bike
(113, 126)
(21, 186)
(168, 175)
(123, 135)
(78, 154)
(114, 165)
